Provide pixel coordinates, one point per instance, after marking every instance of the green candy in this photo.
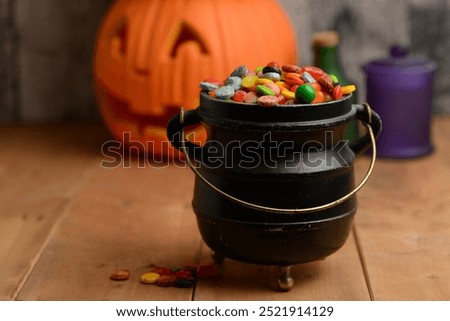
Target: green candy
(265, 91)
(305, 93)
(334, 79)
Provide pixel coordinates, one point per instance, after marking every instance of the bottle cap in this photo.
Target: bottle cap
(329, 38)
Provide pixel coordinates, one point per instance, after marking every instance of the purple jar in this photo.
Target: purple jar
(400, 90)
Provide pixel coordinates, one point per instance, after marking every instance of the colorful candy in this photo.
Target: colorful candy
(166, 280)
(249, 81)
(150, 277)
(250, 97)
(305, 93)
(291, 68)
(306, 76)
(337, 92)
(273, 69)
(181, 277)
(348, 89)
(272, 85)
(264, 90)
(267, 101)
(184, 282)
(272, 76)
(224, 92)
(326, 82)
(120, 275)
(334, 79)
(288, 94)
(239, 96)
(234, 82)
(240, 72)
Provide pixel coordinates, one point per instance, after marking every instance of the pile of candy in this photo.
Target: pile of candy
(181, 277)
(272, 85)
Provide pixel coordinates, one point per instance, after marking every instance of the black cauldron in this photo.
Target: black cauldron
(275, 185)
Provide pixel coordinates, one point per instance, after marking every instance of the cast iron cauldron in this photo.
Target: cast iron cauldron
(275, 185)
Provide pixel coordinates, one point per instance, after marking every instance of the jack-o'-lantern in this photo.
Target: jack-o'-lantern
(152, 54)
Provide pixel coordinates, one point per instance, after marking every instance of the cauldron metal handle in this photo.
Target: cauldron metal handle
(175, 133)
(367, 116)
(364, 113)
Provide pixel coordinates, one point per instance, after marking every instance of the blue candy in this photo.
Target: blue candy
(306, 76)
(225, 92)
(234, 82)
(272, 76)
(240, 72)
(207, 86)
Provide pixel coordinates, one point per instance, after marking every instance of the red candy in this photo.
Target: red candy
(239, 96)
(291, 68)
(316, 72)
(181, 277)
(281, 100)
(163, 271)
(273, 64)
(327, 84)
(337, 92)
(183, 274)
(166, 280)
(212, 81)
(267, 101)
(250, 97)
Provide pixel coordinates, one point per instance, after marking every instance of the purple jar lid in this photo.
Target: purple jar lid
(400, 61)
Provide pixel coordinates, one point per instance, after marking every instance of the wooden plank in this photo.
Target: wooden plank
(338, 277)
(404, 232)
(40, 170)
(130, 218)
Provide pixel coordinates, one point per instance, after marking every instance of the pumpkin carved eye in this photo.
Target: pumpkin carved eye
(183, 34)
(120, 40)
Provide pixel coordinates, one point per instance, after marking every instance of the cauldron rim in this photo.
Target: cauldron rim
(229, 113)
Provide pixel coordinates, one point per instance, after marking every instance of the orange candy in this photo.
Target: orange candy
(319, 97)
(316, 86)
(293, 79)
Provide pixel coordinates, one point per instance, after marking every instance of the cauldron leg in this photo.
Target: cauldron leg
(285, 280)
(217, 257)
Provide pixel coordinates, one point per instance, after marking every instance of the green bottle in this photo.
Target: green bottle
(325, 46)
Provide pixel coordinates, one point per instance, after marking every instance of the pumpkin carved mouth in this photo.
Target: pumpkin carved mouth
(150, 130)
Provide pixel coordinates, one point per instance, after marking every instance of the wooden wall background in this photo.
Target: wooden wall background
(46, 48)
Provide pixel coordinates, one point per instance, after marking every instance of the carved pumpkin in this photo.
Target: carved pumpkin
(152, 54)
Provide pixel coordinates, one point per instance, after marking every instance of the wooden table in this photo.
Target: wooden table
(66, 223)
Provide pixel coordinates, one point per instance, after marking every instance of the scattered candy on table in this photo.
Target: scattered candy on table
(120, 275)
(150, 277)
(178, 276)
(272, 85)
(166, 280)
